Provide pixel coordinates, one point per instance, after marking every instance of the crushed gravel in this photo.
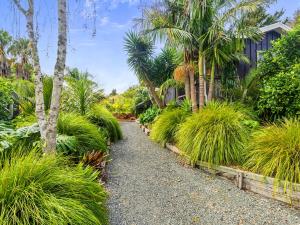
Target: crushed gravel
(148, 186)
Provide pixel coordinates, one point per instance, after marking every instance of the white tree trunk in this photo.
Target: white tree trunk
(58, 75)
(47, 126)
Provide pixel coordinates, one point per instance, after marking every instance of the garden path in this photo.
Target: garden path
(148, 186)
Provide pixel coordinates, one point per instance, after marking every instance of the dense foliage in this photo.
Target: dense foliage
(279, 75)
(101, 117)
(149, 115)
(280, 95)
(216, 135)
(166, 125)
(6, 99)
(44, 190)
(88, 136)
(274, 151)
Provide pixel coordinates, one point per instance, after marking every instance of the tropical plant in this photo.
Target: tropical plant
(88, 136)
(187, 22)
(24, 98)
(101, 117)
(96, 160)
(78, 95)
(5, 40)
(149, 115)
(48, 87)
(20, 50)
(139, 49)
(216, 135)
(6, 99)
(42, 190)
(163, 66)
(274, 151)
(167, 124)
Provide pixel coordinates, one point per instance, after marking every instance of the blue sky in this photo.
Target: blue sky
(101, 54)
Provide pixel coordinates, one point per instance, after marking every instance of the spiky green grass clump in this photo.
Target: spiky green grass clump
(88, 136)
(275, 151)
(101, 117)
(216, 135)
(41, 190)
(166, 125)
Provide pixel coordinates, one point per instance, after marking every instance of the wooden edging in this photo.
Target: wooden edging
(248, 181)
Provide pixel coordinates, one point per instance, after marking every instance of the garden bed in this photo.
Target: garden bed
(248, 181)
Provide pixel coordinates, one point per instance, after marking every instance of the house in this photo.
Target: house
(255, 50)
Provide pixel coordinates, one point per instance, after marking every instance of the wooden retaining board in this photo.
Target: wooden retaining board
(248, 181)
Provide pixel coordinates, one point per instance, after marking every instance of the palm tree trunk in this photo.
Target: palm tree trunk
(201, 81)
(187, 87)
(153, 93)
(212, 82)
(193, 91)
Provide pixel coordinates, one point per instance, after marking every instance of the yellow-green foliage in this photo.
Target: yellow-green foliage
(42, 190)
(216, 135)
(275, 151)
(88, 136)
(101, 117)
(166, 125)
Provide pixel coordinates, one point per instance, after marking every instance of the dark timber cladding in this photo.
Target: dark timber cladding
(252, 50)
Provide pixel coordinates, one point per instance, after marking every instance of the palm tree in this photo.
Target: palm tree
(79, 93)
(5, 40)
(192, 20)
(168, 20)
(139, 49)
(20, 50)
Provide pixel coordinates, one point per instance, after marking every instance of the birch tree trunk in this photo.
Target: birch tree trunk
(58, 78)
(47, 126)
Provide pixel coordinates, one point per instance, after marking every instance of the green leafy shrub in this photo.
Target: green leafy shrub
(167, 124)
(88, 136)
(101, 117)
(149, 115)
(6, 98)
(277, 78)
(215, 134)
(274, 151)
(41, 190)
(280, 95)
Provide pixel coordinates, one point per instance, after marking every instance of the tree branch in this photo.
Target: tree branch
(19, 6)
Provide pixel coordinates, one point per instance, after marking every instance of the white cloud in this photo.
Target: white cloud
(104, 21)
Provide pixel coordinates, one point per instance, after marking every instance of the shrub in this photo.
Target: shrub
(280, 95)
(101, 117)
(41, 190)
(88, 136)
(149, 115)
(216, 135)
(5, 98)
(166, 125)
(274, 151)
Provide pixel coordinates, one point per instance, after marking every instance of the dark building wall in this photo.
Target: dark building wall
(251, 50)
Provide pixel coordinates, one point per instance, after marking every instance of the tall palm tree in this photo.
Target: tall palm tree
(140, 49)
(20, 50)
(5, 40)
(192, 20)
(168, 20)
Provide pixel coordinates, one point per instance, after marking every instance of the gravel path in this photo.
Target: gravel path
(147, 185)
